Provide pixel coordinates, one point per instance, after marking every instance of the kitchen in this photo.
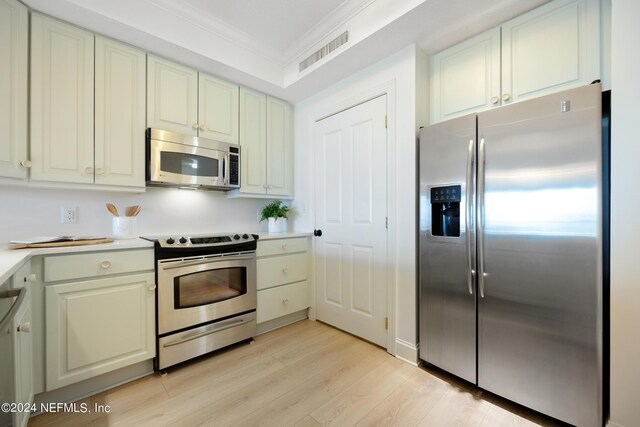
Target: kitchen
(407, 110)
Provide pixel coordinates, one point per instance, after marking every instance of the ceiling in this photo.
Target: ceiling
(259, 43)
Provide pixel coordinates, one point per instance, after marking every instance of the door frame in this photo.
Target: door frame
(387, 88)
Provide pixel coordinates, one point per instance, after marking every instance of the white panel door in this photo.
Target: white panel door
(552, 48)
(61, 101)
(218, 109)
(98, 326)
(279, 148)
(253, 141)
(14, 36)
(172, 96)
(120, 85)
(466, 77)
(351, 209)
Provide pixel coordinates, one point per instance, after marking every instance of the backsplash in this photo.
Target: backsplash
(28, 212)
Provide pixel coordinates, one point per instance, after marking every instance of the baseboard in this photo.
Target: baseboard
(407, 352)
(265, 327)
(612, 424)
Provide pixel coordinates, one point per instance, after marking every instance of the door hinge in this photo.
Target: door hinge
(386, 222)
(385, 121)
(386, 323)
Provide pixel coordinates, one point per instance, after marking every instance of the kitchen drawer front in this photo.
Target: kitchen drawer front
(281, 270)
(96, 264)
(282, 300)
(281, 246)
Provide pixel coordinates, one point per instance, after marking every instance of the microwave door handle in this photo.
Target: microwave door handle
(225, 161)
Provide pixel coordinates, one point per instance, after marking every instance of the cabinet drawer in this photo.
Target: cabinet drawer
(66, 267)
(281, 246)
(280, 270)
(282, 300)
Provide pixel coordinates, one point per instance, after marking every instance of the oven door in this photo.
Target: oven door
(194, 291)
(179, 164)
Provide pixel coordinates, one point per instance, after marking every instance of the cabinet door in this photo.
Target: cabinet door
(172, 96)
(279, 148)
(98, 326)
(22, 351)
(466, 77)
(14, 27)
(217, 109)
(253, 141)
(120, 81)
(61, 101)
(552, 48)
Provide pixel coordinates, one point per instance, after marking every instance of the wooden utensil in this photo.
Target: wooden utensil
(138, 208)
(111, 208)
(132, 210)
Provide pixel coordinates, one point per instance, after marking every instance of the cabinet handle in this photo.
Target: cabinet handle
(285, 270)
(494, 100)
(30, 278)
(105, 264)
(285, 301)
(88, 170)
(152, 287)
(25, 328)
(26, 163)
(99, 171)
(506, 97)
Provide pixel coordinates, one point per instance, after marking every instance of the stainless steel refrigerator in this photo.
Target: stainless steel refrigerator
(511, 242)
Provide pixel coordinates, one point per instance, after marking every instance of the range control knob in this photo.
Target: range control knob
(245, 236)
(236, 237)
(170, 241)
(183, 240)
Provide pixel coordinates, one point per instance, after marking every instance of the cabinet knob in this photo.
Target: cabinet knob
(99, 171)
(25, 327)
(195, 126)
(105, 264)
(152, 287)
(202, 127)
(30, 278)
(494, 100)
(26, 163)
(285, 270)
(88, 170)
(284, 247)
(285, 301)
(506, 97)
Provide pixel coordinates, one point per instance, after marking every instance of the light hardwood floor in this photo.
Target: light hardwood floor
(306, 375)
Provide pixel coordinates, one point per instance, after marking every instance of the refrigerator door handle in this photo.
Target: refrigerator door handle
(469, 217)
(481, 273)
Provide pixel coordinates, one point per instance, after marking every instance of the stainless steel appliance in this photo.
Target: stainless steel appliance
(176, 160)
(511, 252)
(206, 294)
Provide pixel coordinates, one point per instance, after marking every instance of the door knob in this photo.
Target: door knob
(317, 233)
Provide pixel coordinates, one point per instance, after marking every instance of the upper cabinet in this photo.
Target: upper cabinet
(87, 107)
(14, 36)
(551, 48)
(182, 100)
(267, 146)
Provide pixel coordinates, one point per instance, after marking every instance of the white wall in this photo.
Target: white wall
(397, 72)
(29, 212)
(625, 214)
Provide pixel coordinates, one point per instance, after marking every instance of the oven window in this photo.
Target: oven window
(188, 164)
(208, 287)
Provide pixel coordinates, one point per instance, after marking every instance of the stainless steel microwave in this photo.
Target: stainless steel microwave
(183, 161)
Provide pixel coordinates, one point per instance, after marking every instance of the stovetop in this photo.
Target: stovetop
(178, 241)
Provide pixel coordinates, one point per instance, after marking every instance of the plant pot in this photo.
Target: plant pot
(277, 225)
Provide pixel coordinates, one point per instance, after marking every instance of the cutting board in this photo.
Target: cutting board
(59, 244)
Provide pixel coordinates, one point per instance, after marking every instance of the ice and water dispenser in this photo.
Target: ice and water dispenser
(445, 211)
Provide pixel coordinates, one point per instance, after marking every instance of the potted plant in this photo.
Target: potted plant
(276, 214)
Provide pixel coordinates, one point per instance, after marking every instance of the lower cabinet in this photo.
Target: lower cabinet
(97, 326)
(283, 286)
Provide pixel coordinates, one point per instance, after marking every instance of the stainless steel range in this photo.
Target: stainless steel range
(206, 296)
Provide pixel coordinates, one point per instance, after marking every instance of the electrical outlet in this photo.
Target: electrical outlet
(69, 215)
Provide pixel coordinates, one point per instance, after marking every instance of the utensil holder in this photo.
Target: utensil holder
(124, 227)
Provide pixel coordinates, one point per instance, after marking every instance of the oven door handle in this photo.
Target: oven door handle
(226, 325)
(204, 261)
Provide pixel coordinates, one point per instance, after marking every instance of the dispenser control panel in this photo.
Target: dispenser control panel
(450, 193)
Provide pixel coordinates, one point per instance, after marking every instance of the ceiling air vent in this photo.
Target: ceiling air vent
(324, 51)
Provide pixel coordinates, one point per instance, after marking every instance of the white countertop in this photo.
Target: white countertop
(12, 260)
(284, 235)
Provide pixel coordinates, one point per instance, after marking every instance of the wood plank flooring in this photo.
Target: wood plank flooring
(306, 375)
